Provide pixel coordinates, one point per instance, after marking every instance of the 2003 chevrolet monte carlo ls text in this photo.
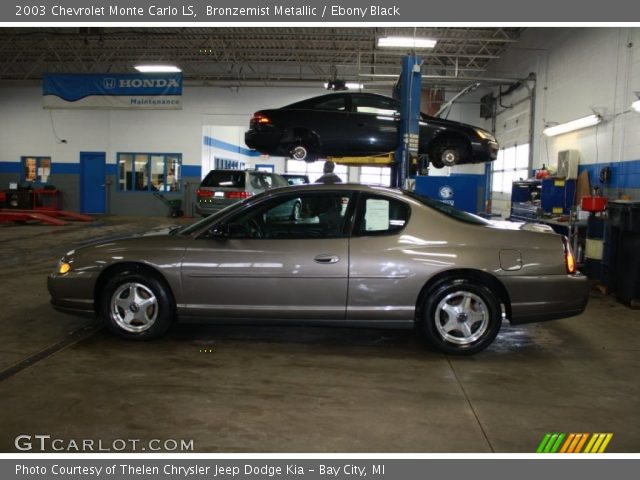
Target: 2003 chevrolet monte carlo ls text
(354, 255)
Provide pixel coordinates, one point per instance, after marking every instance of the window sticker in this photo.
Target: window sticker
(376, 215)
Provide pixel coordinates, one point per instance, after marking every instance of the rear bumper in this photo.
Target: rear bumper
(265, 139)
(541, 298)
(209, 207)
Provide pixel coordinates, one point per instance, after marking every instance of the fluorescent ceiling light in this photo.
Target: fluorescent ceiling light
(636, 106)
(413, 42)
(349, 85)
(583, 122)
(157, 68)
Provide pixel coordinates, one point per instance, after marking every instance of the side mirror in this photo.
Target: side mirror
(219, 231)
(228, 230)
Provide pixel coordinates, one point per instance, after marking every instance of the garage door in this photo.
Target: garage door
(512, 131)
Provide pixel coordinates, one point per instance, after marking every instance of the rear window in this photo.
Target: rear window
(326, 102)
(218, 178)
(448, 210)
(262, 180)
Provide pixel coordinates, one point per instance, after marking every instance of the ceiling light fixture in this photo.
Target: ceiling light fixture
(636, 106)
(411, 42)
(157, 68)
(583, 122)
(340, 85)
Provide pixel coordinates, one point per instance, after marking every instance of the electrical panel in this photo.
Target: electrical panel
(568, 161)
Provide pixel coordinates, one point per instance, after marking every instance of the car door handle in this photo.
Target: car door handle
(325, 258)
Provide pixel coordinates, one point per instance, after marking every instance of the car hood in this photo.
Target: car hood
(450, 123)
(135, 240)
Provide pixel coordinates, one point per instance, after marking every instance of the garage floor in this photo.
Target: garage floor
(284, 389)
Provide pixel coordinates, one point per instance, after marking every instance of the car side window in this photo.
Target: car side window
(297, 216)
(261, 180)
(332, 104)
(375, 105)
(381, 216)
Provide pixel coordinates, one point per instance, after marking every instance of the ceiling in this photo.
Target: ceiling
(251, 55)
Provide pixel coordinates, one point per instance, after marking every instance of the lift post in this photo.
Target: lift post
(409, 128)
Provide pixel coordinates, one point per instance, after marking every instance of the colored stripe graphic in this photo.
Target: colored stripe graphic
(550, 443)
(574, 443)
(598, 442)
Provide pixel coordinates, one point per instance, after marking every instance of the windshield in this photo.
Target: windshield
(448, 210)
(200, 224)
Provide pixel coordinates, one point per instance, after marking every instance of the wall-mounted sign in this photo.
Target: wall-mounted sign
(141, 91)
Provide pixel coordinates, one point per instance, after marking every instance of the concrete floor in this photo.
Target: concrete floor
(285, 389)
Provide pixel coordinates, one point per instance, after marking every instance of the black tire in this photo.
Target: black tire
(299, 152)
(447, 152)
(125, 294)
(482, 316)
(450, 155)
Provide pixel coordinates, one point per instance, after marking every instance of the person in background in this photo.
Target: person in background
(329, 176)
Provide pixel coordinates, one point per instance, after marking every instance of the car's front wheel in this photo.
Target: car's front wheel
(461, 317)
(136, 306)
(449, 156)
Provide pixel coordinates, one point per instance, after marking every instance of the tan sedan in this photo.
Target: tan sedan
(354, 255)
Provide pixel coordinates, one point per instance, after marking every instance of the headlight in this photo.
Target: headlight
(483, 134)
(63, 267)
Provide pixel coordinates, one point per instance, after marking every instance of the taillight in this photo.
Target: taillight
(237, 195)
(260, 119)
(201, 193)
(569, 258)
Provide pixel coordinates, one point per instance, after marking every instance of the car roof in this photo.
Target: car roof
(338, 94)
(337, 186)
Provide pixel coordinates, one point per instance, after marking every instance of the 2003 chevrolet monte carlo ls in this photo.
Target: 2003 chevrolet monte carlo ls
(351, 255)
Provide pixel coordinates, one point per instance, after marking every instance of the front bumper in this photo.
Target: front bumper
(484, 151)
(541, 298)
(72, 293)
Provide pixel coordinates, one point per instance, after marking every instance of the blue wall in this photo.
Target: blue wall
(623, 174)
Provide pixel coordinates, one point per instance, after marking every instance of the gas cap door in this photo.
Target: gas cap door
(510, 260)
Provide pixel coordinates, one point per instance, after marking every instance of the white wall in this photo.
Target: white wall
(579, 70)
(26, 128)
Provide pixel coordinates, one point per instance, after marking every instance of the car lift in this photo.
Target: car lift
(410, 84)
(57, 218)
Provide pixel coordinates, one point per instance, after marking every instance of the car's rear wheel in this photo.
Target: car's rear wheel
(299, 152)
(136, 306)
(461, 317)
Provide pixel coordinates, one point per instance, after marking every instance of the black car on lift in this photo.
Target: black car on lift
(362, 124)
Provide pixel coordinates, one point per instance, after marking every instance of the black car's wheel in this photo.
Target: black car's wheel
(461, 317)
(136, 306)
(299, 152)
(450, 156)
(447, 152)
